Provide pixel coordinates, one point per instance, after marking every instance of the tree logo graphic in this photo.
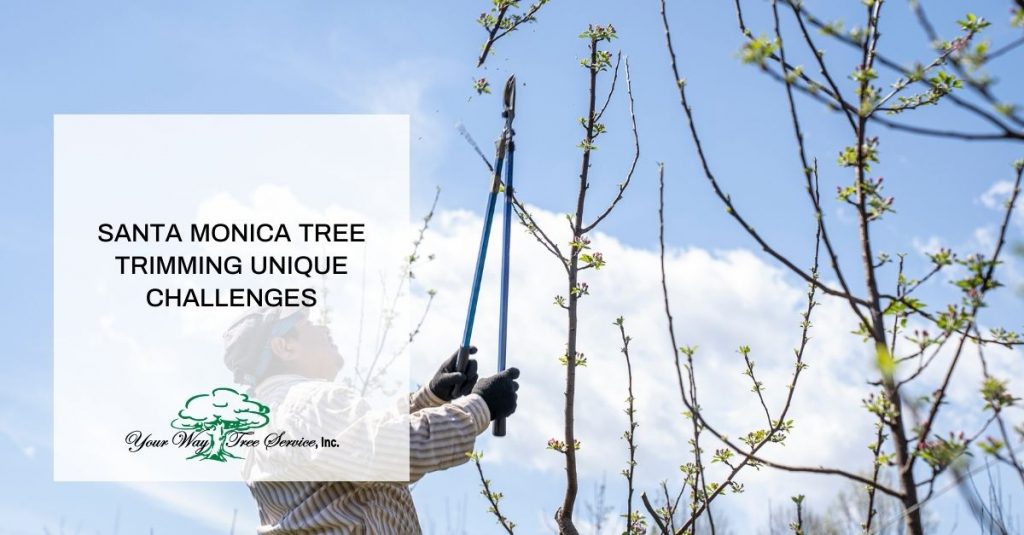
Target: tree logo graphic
(221, 412)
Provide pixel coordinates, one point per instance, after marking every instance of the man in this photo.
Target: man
(291, 363)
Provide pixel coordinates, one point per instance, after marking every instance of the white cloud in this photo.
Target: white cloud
(984, 238)
(930, 245)
(997, 194)
(996, 197)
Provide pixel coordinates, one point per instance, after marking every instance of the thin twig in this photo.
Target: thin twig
(981, 89)
(877, 467)
(835, 98)
(811, 279)
(1004, 49)
(632, 166)
(986, 279)
(725, 198)
(537, 232)
(654, 514)
(493, 33)
(525, 218)
(1006, 132)
(611, 88)
(811, 173)
(388, 313)
(670, 510)
(492, 497)
(412, 336)
(630, 434)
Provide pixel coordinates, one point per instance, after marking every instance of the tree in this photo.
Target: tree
(579, 256)
(905, 429)
(912, 444)
(221, 412)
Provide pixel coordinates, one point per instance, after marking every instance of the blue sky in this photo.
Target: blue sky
(417, 58)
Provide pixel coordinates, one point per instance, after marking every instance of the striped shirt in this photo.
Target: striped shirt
(439, 436)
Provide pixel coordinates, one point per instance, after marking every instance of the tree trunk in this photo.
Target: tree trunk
(216, 450)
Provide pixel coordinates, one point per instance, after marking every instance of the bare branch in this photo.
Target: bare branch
(632, 166)
(835, 96)
(1006, 132)
(388, 313)
(412, 336)
(932, 318)
(492, 497)
(873, 487)
(952, 134)
(811, 173)
(982, 89)
(597, 62)
(997, 413)
(537, 232)
(725, 198)
(497, 31)
(758, 387)
(611, 88)
(1005, 49)
(630, 434)
(984, 288)
(654, 514)
(492, 35)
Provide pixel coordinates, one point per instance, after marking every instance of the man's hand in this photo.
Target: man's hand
(449, 383)
(499, 391)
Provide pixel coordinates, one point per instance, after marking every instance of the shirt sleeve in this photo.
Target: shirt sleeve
(367, 445)
(440, 437)
(423, 398)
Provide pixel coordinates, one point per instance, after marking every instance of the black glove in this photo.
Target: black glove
(449, 383)
(499, 391)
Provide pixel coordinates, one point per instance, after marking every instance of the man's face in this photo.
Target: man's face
(312, 350)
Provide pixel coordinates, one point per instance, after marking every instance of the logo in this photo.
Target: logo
(221, 415)
(212, 425)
